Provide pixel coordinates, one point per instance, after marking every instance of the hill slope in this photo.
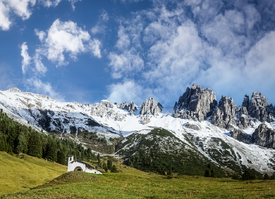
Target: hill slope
(24, 172)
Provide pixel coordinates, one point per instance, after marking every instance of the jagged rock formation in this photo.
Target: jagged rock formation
(224, 115)
(104, 109)
(241, 136)
(258, 107)
(151, 107)
(264, 136)
(131, 108)
(196, 103)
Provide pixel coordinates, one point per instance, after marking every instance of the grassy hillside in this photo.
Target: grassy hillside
(21, 172)
(147, 185)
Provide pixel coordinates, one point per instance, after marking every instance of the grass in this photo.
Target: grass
(132, 183)
(22, 172)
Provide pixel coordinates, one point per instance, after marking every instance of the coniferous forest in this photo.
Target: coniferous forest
(16, 138)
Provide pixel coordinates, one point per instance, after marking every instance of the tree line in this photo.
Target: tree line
(16, 138)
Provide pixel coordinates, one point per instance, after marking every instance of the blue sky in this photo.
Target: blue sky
(123, 50)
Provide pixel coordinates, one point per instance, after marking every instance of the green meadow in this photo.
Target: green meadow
(22, 172)
(36, 178)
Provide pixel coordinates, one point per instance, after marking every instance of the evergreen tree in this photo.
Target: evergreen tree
(21, 143)
(105, 167)
(51, 151)
(266, 177)
(213, 173)
(61, 158)
(98, 160)
(35, 145)
(206, 173)
(114, 169)
(109, 164)
(3, 143)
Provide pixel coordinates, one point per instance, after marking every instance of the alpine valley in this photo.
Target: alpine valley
(200, 134)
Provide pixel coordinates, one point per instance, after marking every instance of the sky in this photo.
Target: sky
(130, 50)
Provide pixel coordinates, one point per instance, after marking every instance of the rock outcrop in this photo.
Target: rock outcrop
(259, 107)
(131, 108)
(151, 107)
(224, 115)
(104, 109)
(264, 136)
(196, 103)
(241, 136)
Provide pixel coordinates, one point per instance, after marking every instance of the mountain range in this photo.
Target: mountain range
(200, 131)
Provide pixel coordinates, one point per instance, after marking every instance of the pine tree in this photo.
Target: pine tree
(61, 158)
(105, 167)
(109, 164)
(266, 177)
(21, 143)
(114, 169)
(51, 151)
(98, 160)
(206, 173)
(35, 145)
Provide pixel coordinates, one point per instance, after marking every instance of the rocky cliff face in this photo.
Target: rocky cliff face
(104, 109)
(259, 107)
(151, 107)
(131, 108)
(196, 103)
(224, 115)
(241, 136)
(264, 136)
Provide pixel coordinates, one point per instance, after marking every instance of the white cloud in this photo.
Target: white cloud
(260, 61)
(128, 62)
(18, 7)
(73, 2)
(123, 41)
(127, 91)
(5, 22)
(40, 68)
(104, 16)
(67, 37)
(49, 3)
(41, 35)
(26, 58)
(219, 48)
(98, 29)
(44, 88)
(95, 48)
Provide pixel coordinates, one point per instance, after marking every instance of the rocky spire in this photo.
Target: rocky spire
(257, 107)
(196, 103)
(131, 108)
(224, 114)
(150, 107)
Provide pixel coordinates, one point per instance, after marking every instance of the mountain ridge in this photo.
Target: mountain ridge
(197, 118)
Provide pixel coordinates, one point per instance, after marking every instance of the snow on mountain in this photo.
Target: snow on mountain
(109, 121)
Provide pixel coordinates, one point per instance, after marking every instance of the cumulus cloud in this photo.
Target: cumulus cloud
(26, 58)
(66, 38)
(20, 8)
(220, 46)
(127, 91)
(125, 63)
(23, 9)
(63, 42)
(40, 87)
